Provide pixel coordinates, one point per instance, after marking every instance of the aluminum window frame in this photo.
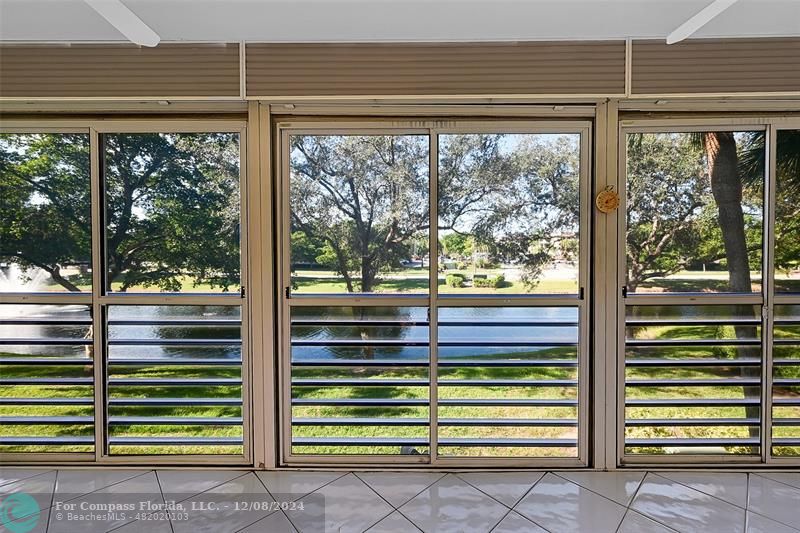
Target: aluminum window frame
(99, 299)
(774, 297)
(765, 298)
(432, 128)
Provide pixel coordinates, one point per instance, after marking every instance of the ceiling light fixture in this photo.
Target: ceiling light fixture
(691, 26)
(126, 21)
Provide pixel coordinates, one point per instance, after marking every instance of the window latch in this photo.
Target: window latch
(624, 291)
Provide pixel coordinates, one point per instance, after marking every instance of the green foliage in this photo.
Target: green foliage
(45, 202)
(457, 245)
(305, 248)
(495, 282)
(455, 280)
(172, 206)
(364, 196)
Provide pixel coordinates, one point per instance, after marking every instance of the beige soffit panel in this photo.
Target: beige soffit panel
(413, 69)
(111, 70)
(716, 66)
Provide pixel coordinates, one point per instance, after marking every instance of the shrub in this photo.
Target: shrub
(495, 282)
(455, 280)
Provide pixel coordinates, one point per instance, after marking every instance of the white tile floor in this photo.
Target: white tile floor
(626, 502)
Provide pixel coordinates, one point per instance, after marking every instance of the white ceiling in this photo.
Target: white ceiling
(394, 20)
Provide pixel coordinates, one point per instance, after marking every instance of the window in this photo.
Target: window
(509, 213)
(474, 349)
(786, 328)
(172, 212)
(695, 211)
(156, 317)
(693, 312)
(45, 207)
(359, 213)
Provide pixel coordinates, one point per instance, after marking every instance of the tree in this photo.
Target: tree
(45, 204)
(516, 196)
(171, 206)
(365, 196)
(666, 194)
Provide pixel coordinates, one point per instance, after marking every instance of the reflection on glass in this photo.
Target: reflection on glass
(175, 374)
(45, 209)
(360, 381)
(693, 379)
(787, 211)
(508, 381)
(172, 211)
(359, 213)
(786, 381)
(47, 369)
(694, 211)
(509, 213)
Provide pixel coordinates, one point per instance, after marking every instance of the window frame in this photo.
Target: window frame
(433, 128)
(765, 299)
(99, 300)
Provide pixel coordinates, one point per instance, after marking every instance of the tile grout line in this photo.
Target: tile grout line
(52, 498)
(272, 497)
(164, 499)
(657, 521)
(27, 478)
(111, 485)
(774, 520)
(629, 509)
(703, 492)
(636, 492)
(210, 488)
(414, 496)
(394, 509)
(511, 507)
(525, 496)
(776, 480)
(441, 477)
(295, 500)
(590, 490)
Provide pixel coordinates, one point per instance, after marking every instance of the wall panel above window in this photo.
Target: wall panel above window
(716, 66)
(436, 68)
(92, 70)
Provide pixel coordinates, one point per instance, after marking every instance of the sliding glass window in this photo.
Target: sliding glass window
(692, 292)
(398, 351)
(785, 355)
(121, 301)
(47, 358)
(172, 301)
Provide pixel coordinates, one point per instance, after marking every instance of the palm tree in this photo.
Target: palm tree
(728, 172)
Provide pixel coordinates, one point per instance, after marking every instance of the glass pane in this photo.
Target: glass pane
(695, 211)
(175, 379)
(508, 381)
(786, 381)
(360, 381)
(172, 211)
(509, 213)
(359, 213)
(787, 212)
(45, 210)
(46, 378)
(693, 379)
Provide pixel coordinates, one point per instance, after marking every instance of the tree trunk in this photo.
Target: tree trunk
(726, 186)
(367, 280)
